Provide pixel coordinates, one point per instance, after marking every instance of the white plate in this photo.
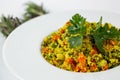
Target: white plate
(21, 51)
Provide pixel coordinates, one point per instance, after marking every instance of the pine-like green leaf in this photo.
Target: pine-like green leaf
(33, 10)
(8, 24)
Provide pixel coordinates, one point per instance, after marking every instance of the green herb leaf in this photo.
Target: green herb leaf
(73, 30)
(102, 34)
(33, 10)
(77, 28)
(99, 23)
(75, 41)
(8, 24)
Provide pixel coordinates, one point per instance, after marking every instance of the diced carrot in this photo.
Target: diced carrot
(77, 69)
(73, 66)
(94, 67)
(105, 67)
(55, 37)
(81, 54)
(55, 62)
(62, 31)
(45, 50)
(71, 61)
(81, 58)
(82, 68)
(94, 51)
(68, 23)
(110, 46)
(113, 42)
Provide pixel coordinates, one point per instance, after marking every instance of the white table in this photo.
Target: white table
(17, 8)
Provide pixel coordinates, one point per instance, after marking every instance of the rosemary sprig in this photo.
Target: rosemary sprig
(33, 10)
(9, 23)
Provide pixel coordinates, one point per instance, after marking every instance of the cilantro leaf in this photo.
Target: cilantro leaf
(75, 41)
(99, 23)
(101, 34)
(73, 30)
(77, 28)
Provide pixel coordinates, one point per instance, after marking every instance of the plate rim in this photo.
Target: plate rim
(3, 49)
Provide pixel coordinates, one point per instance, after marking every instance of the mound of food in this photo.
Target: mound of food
(83, 46)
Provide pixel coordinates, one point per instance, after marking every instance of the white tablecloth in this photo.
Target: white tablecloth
(17, 8)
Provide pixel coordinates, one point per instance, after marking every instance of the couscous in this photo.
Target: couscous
(83, 46)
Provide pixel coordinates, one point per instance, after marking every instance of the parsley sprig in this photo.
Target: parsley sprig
(77, 26)
(103, 33)
(77, 29)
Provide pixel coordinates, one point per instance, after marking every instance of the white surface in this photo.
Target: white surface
(16, 8)
(21, 51)
(4, 73)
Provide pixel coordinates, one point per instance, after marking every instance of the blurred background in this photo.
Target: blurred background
(18, 7)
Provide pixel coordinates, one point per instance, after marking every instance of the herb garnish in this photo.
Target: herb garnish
(9, 23)
(77, 29)
(103, 33)
(75, 41)
(33, 10)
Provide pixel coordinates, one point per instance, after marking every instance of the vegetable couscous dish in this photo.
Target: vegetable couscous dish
(83, 46)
